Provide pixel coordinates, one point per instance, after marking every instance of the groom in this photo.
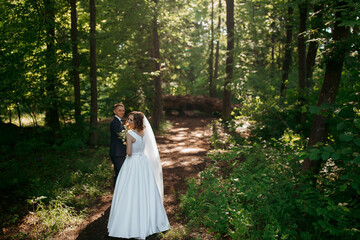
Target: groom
(117, 147)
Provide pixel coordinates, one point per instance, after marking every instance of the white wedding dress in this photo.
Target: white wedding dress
(137, 209)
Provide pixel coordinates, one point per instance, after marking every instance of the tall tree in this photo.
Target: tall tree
(211, 56)
(316, 25)
(288, 49)
(330, 85)
(217, 51)
(52, 113)
(76, 61)
(158, 107)
(93, 75)
(229, 59)
(303, 10)
(302, 45)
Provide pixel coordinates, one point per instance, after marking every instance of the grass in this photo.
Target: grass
(57, 202)
(48, 187)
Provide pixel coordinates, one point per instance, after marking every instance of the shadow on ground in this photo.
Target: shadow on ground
(97, 230)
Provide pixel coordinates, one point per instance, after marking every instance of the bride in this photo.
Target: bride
(137, 209)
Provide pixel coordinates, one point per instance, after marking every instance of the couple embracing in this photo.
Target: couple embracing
(137, 209)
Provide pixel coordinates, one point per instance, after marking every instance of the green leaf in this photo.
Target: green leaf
(357, 141)
(335, 156)
(314, 156)
(344, 177)
(314, 109)
(349, 23)
(345, 151)
(329, 148)
(355, 185)
(346, 137)
(303, 109)
(340, 126)
(343, 187)
(315, 150)
(325, 155)
(357, 122)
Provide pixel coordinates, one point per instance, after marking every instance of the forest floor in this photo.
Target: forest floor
(183, 151)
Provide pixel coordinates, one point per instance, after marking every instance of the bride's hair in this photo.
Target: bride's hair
(138, 120)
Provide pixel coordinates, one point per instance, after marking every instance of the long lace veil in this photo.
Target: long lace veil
(152, 152)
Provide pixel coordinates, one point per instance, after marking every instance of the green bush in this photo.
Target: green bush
(70, 182)
(70, 145)
(257, 191)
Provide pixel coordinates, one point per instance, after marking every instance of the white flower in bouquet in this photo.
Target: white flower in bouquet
(122, 134)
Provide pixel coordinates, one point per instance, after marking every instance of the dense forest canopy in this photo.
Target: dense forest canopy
(192, 42)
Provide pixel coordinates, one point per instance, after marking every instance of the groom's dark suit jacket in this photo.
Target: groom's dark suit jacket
(117, 147)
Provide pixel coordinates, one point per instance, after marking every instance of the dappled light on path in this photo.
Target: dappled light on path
(183, 154)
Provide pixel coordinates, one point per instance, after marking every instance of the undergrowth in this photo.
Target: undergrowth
(254, 187)
(49, 186)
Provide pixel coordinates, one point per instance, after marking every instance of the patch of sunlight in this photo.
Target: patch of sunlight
(179, 138)
(27, 120)
(168, 163)
(192, 150)
(243, 127)
(181, 129)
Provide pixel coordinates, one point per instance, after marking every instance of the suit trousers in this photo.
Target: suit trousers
(118, 162)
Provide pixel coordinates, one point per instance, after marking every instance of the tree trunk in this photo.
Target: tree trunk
(316, 25)
(273, 45)
(158, 107)
(76, 61)
(52, 113)
(302, 58)
(19, 113)
(217, 51)
(93, 75)
(302, 46)
(10, 117)
(229, 59)
(211, 57)
(329, 89)
(288, 50)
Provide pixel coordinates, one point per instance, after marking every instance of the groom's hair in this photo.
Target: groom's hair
(118, 105)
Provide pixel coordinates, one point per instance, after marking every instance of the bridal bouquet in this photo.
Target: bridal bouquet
(122, 134)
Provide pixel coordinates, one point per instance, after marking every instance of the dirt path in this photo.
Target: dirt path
(183, 153)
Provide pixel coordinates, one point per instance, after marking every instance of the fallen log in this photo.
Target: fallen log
(183, 103)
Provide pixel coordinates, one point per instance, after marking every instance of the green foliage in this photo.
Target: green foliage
(59, 179)
(220, 139)
(125, 64)
(256, 191)
(67, 176)
(271, 117)
(53, 216)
